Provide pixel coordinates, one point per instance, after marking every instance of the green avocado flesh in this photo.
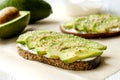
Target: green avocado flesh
(15, 26)
(65, 47)
(99, 23)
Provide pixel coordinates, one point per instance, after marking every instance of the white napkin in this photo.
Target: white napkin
(110, 6)
(115, 76)
(5, 76)
(86, 7)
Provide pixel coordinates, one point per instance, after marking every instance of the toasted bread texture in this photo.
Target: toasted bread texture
(76, 66)
(91, 35)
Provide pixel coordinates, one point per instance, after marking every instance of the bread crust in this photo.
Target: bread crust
(91, 35)
(76, 66)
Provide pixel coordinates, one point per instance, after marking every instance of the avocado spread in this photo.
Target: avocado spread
(98, 23)
(67, 48)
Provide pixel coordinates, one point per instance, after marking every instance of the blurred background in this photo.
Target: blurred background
(85, 7)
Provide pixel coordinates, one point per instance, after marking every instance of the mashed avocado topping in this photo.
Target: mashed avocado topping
(65, 47)
(98, 23)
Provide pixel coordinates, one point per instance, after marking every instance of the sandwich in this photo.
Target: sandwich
(61, 50)
(93, 26)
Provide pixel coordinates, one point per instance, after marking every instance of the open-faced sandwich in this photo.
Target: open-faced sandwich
(62, 50)
(93, 26)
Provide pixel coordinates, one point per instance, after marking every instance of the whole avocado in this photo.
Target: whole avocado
(39, 8)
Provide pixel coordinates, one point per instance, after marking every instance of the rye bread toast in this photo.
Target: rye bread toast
(93, 26)
(91, 35)
(76, 66)
(60, 50)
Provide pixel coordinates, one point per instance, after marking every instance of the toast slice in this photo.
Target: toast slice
(90, 35)
(76, 66)
(93, 26)
(60, 50)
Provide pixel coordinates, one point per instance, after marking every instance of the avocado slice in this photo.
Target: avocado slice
(84, 52)
(68, 56)
(40, 51)
(95, 45)
(37, 38)
(39, 9)
(69, 25)
(80, 24)
(52, 53)
(22, 39)
(15, 26)
(31, 42)
(77, 53)
(75, 41)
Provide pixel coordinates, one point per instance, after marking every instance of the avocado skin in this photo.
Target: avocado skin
(39, 8)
